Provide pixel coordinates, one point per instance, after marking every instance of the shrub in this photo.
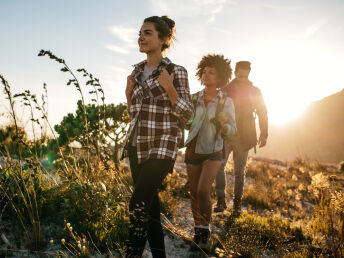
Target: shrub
(341, 166)
(84, 188)
(250, 234)
(97, 211)
(328, 214)
(21, 191)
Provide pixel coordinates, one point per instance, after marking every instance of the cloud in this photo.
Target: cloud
(117, 69)
(114, 83)
(283, 6)
(312, 29)
(128, 35)
(191, 8)
(117, 49)
(218, 8)
(222, 31)
(337, 30)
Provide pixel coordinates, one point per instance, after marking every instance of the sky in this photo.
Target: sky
(296, 47)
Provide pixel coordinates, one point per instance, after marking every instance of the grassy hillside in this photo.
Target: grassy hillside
(60, 201)
(293, 209)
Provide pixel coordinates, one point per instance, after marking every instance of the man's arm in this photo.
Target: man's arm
(263, 118)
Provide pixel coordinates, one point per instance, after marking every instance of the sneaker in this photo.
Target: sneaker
(220, 205)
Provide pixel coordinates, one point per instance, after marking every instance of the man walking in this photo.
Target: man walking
(248, 102)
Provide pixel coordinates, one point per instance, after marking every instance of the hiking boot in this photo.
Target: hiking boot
(221, 204)
(236, 207)
(196, 239)
(204, 244)
(197, 235)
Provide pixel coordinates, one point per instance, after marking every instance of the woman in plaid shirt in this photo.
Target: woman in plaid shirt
(159, 105)
(214, 119)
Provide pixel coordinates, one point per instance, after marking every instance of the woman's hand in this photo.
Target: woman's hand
(166, 81)
(222, 119)
(130, 85)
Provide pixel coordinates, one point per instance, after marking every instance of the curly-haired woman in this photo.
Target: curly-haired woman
(214, 119)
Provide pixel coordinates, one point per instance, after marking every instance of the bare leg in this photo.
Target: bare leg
(194, 172)
(210, 169)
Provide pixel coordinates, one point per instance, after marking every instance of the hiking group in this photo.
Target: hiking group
(220, 119)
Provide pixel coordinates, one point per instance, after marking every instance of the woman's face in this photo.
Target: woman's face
(209, 77)
(149, 40)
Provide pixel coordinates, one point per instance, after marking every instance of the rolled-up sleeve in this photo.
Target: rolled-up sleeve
(182, 108)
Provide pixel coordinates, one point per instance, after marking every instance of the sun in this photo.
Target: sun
(291, 75)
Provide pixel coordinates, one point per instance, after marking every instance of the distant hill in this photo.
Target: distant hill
(318, 134)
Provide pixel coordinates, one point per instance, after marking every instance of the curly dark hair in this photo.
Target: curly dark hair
(221, 64)
(165, 28)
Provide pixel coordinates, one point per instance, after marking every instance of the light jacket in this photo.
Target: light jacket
(202, 127)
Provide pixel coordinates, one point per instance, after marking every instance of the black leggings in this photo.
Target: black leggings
(144, 205)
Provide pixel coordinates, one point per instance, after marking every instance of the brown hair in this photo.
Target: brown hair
(165, 28)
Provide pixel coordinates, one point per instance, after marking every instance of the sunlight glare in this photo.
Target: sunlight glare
(290, 76)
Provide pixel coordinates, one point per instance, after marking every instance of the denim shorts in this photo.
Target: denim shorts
(212, 156)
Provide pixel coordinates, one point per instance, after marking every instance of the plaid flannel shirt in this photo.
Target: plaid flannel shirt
(160, 126)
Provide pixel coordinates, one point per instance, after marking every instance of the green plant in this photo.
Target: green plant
(84, 187)
(20, 186)
(329, 213)
(112, 125)
(10, 136)
(97, 209)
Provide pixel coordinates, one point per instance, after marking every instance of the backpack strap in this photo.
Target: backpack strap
(194, 100)
(219, 108)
